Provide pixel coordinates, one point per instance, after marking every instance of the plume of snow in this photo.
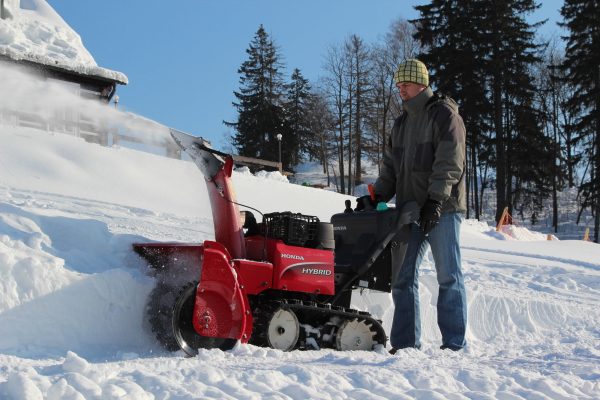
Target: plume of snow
(50, 99)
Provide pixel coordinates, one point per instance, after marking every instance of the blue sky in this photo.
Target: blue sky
(182, 56)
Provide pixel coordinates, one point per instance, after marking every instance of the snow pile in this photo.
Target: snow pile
(268, 175)
(522, 233)
(477, 226)
(507, 232)
(73, 294)
(33, 31)
(56, 164)
(272, 175)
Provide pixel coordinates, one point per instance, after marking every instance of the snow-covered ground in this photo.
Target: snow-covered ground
(72, 294)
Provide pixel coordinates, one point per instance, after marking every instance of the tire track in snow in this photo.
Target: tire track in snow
(571, 280)
(567, 261)
(518, 296)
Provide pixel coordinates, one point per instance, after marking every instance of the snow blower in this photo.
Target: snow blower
(285, 282)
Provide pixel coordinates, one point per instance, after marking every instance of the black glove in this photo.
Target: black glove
(430, 215)
(365, 203)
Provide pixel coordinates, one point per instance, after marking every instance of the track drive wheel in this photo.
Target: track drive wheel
(183, 329)
(283, 329)
(354, 335)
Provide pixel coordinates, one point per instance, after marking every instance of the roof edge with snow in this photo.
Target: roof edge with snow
(32, 31)
(80, 69)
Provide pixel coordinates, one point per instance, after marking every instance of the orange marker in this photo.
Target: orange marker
(372, 192)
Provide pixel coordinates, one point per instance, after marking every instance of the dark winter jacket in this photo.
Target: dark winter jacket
(426, 154)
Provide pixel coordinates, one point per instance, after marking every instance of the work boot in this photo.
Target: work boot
(394, 350)
(451, 347)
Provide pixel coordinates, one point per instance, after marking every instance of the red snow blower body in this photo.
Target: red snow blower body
(284, 283)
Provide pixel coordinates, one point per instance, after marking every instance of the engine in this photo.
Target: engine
(299, 247)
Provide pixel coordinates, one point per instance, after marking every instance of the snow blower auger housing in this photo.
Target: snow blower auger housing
(275, 283)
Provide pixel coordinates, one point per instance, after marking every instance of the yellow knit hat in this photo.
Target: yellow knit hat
(412, 71)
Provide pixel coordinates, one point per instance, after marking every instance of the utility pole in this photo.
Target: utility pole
(1, 9)
(279, 137)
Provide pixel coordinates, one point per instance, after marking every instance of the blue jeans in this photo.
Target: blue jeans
(452, 302)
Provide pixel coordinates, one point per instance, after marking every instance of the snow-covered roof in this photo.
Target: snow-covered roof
(33, 31)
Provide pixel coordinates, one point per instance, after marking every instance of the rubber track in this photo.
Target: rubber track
(305, 308)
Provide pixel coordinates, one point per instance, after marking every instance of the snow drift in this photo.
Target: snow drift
(72, 293)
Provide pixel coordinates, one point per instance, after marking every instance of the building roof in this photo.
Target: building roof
(32, 31)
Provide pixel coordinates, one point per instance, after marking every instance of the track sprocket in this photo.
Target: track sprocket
(354, 334)
(283, 329)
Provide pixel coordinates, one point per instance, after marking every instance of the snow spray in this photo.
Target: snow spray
(47, 98)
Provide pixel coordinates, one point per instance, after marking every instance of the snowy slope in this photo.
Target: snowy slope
(72, 294)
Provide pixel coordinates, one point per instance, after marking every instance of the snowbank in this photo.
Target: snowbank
(73, 294)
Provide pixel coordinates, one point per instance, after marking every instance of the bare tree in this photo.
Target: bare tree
(359, 91)
(397, 45)
(321, 123)
(334, 87)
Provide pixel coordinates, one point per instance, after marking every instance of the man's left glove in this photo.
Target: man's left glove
(430, 215)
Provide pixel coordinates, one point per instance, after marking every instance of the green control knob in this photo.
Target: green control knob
(381, 206)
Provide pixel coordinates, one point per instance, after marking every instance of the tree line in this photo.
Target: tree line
(531, 106)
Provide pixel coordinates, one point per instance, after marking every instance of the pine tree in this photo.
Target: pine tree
(552, 93)
(456, 49)
(582, 63)
(480, 53)
(261, 116)
(296, 106)
(522, 151)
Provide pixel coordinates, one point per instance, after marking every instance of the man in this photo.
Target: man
(425, 162)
